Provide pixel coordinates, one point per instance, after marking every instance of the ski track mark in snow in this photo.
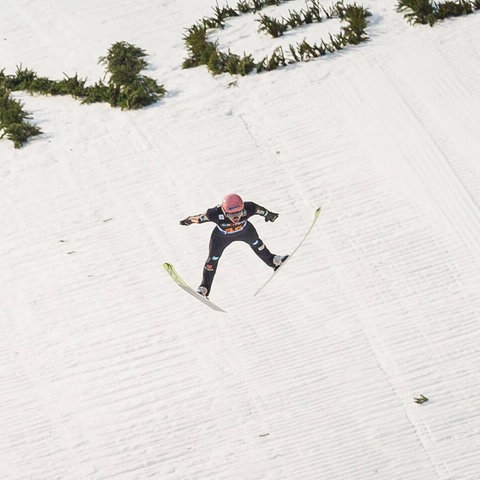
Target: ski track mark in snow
(434, 169)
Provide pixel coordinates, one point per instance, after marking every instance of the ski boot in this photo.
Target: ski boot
(278, 261)
(201, 290)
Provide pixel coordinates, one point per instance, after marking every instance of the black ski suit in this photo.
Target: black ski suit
(227, 232)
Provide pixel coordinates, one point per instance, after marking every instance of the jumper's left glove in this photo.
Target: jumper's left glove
(186, 221)
(271, 217)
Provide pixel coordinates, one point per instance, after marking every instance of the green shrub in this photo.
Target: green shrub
(14, 123)
(272, 62)
(428, 12)
(295, 19)
(29, 81)
(128, 89)
(124, 62)
(243, 6)
(199, 48)
(356, 17)
(454, 9)
(417, 11)
(275, 28)
(310, 15)
(239, 65)
(247, 6)
(221, 14)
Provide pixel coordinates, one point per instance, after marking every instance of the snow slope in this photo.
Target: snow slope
(110, 371)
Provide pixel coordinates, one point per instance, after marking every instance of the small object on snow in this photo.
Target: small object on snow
(421, 399)
(264, 435)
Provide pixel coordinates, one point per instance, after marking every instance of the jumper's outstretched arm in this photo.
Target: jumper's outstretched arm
(200, 218)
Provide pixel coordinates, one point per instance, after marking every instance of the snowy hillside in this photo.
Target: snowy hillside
(110, 371)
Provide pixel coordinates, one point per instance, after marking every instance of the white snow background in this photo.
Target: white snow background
(108, 370)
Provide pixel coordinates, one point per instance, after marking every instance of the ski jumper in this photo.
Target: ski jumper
(227, 232)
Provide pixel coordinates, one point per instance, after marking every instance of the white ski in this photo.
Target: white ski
(315, 218)
(182, 284)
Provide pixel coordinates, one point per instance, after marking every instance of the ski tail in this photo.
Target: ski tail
(183, 285)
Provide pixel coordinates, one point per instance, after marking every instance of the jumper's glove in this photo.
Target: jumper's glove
(186, 221)
(271, 217)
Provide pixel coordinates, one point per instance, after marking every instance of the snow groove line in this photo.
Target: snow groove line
(447, 185)
(374, 342)
(50, 413)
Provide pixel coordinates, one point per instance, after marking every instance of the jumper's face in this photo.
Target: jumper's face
(235, 216)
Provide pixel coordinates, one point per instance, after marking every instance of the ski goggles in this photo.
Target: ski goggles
(234, 217)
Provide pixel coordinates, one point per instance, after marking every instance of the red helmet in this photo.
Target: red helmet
(232, 206)
(232, 203)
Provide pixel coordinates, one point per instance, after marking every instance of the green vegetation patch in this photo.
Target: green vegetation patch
(202, 51)
(14, 120)
(125, 87)
(428, 12)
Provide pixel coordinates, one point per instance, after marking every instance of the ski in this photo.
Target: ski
(315, 218)
(182, 284)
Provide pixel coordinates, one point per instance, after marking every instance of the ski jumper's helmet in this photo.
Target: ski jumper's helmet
(232, 206)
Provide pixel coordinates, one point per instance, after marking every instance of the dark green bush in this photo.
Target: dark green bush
(124, 62)
(27, 80)
(199, 48)
(221, 14)
(454, 9)
(295, 19)
(240, 65)
(128, 89)
(243, 6)
(356, 17)
(275, 28)
(417, 11)
(428, 12)
(14, 123)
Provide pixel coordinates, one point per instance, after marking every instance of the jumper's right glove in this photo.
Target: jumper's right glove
(271, 217)
(186, 221)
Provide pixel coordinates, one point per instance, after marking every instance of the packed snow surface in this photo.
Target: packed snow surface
(110, 371)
